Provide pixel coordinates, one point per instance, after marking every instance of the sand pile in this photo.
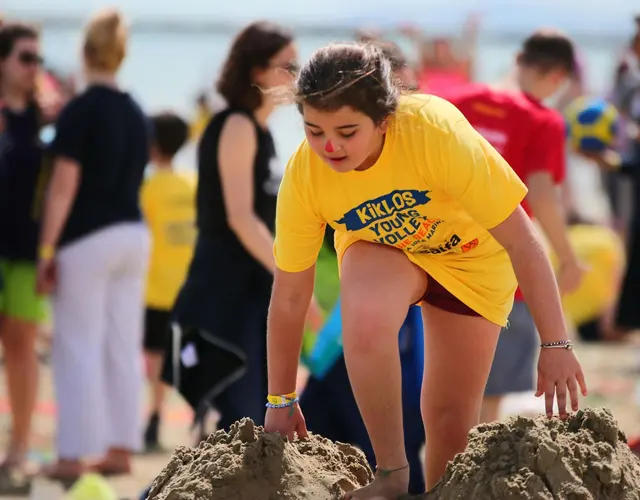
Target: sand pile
(584, 458)
(247, 464)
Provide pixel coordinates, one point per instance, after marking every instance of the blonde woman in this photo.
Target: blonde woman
(93, 256)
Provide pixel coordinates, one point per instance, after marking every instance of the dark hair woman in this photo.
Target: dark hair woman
(22, 176)
(222, 308)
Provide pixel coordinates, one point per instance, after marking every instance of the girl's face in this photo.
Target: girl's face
(345, 139)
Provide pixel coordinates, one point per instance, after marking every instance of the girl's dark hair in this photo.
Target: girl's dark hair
(393, 52)
(252, 49)
(354, 75)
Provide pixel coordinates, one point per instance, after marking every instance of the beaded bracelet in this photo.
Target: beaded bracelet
(285, 398)
(287, 404)
(558, 344)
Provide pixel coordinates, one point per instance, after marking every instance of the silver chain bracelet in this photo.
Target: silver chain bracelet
(558, 344)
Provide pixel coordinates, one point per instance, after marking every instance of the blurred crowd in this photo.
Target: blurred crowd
(136, 267)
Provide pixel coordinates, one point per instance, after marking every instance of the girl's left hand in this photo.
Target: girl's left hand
(559, 372)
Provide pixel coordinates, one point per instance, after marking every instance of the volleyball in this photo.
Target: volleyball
(591, 123)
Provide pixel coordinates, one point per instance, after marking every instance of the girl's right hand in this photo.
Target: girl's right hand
(287, 421)
(560, 376)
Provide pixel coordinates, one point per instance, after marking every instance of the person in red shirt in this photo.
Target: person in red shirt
(531, 137)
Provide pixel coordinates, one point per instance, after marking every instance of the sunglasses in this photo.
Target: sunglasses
(30, 58)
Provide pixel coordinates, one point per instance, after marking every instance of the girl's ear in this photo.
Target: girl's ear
(383, 126)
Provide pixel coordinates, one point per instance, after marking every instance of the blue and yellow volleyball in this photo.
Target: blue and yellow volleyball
(592, 123)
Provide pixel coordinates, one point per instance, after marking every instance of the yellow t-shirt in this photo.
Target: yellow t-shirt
(168, 204)
(436, 189)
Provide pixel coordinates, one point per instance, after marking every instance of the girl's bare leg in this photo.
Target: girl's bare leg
(458, 355)
(378, 284)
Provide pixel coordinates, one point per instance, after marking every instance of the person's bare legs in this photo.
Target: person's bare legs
(21, 363)
(378, 284)
(458, 355)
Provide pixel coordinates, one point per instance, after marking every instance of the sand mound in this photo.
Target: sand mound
(248, 464)
(584, 458)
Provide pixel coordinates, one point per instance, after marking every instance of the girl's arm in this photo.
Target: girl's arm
(534, 272)
(559, 372)
(299, 235)
(290, 301)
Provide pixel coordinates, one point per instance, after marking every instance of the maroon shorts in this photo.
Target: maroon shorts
(438, 296)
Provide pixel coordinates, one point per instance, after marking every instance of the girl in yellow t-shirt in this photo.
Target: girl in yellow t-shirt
(425, 211)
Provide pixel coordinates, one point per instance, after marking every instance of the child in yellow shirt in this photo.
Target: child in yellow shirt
(424, 211)
(168, 204)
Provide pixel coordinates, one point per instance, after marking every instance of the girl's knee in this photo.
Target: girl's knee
(363, 325)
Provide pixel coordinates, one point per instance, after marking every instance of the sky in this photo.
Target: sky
(608, 16)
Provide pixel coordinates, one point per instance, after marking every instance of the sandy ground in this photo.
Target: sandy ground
(611, 373)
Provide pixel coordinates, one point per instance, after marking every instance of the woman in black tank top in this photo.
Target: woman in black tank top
(222, 307)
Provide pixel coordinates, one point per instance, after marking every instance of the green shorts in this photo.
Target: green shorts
(18, 298)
